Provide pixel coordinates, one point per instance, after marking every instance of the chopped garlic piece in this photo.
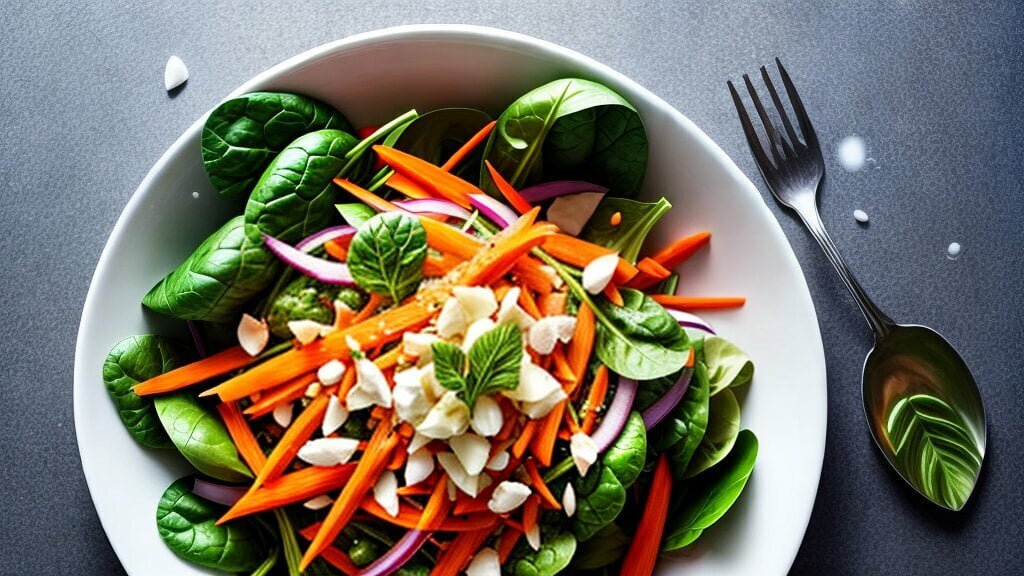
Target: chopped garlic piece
(550, 330)
(328, 451)
(419, 344)
(485, 563)
(463, 480)
(253, 335)
(533, 536)
(599, 272)
(418, 467)
(508, 496)
(371, 388)
(305, 331)
(569, 500)
(411, 402)
(418, 441)
(175, 73)
(385, 492)
(452, 319)
(541, 408)
(335, 416)
(570, 213)
(283, 414)
(330, 373)
(535, 383)
(584, 452)
(499, 461)
(472, 452)
(449, 417)
(556, 281)
(318, 503)
(510, 311)
(477, 301)
(475, 331)
(487, 417)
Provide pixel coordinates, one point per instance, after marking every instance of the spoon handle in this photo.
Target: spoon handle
(807, 209)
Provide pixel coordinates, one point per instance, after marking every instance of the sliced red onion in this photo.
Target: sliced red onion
(656, 412)
(226, 495)
(399, 555)
(549, 190)
(318, 268)
(197, 339)
(497, 212)
(616, 415)
(687, 320)
(324, 236)
(434, 206)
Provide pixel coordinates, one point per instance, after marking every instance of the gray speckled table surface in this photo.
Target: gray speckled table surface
(935, 91)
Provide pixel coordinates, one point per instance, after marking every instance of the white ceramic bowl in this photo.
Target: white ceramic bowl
(372, 77)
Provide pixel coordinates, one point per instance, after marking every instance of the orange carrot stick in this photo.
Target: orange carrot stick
(506, 542)
(293, 439)
(332, 555)
(540, 487)
(336, 250)
(699, 302)
(552, 303)
(528, 303)
(398, 458)
(643, 551)
(595, 399)
(468, 147)
(421, 489)
(466, 505)
(407, 187)
(582, 343)
(511, 194)
(220, 363)
(248, 448)
(372, 303)
(563, 371)
(440, 183)
(579, 253)
(677, 252)
(611, 292)
(409, 518)
(531, 512)
(543, 443)
(287, 392)
(440, 265)
(651, 272)
(453, 559)
(437, 507)
(523, 441)
(365, 475)
(289, 489)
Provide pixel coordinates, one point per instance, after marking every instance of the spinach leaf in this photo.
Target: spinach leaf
(355, 213)
(294, 196)
(728, 366)
(638, 218)
(599, 500)
(306, 298)
(436, 135)
(242, 135)
(133, 360)
(626, 457)
(569, 129)
(640, 340)
(387, 253)
(688, 421)
(723, 426)
(187, 524)
(201, 437)
(605, 547)
(217, 281)
(705, 499)
(494, 363)
(556, 551)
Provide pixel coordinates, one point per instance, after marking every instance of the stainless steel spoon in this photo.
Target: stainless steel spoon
(922, 404)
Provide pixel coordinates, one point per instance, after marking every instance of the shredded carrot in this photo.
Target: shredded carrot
(407, 187)
(371, 306)
(398, 458)
(616, 219)
(595, 399)
(453, 559)
(540, 487)
(364, 476)
(508, 425)
(531, 512)
(528, 303)
(699, 302)
(437, 507)
(409, 518)
(332, 555)
(242, 436)
(543, 443)
(582, 343)
(293, 439)
(643, 550)
(552, 303)
(564, 434)
(677, 252)
(563, 371)
(690, 360)
(530, 272)
(337, 250)
(438, 182)
(511, 194)
(611, 292)
(525, 436)
(468, 147)
(506, 542)
(651, 272)
(421, 489)
(579, 253)
(405, 430)
(464, 504)
(216, 365)
(348, 380)
(289, 489)
(439, 265)
(287, 392)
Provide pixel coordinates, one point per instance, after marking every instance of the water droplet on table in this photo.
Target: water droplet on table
(860, 216)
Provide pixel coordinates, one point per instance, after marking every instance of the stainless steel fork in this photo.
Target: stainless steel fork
(909, 365)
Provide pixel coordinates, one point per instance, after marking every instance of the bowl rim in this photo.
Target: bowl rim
(469, 33)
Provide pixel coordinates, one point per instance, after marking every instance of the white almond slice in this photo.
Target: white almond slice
(305, 331)
(510, 311)
(599, 272)
(584, 452)
(419, 344)
(550, 330)
(385, 492)
(453, 492)
(449, 417)
(334, 417)
(431, 387)
(371, 388)
(328, 451)
(477, 302)
(253, 335)
(353, 345)
(318, 503)
(313, 390)
(533, 536)
(411, 402)
(571, 213)
(487, 417)
(556, 280)
(544, 406)
(175, 73)
(283, 414)
(508, 496)
(417, 442)
(330, 373)
(418, 467)
(535, 383)
(499, 461)
(569, 500)
(452, 320)
(485, 563)
(475, 331)
(463, 480)
(472, 452)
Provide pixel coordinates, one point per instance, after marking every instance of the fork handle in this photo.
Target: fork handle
(808, 212)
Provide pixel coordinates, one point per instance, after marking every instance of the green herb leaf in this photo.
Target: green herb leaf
(728, 366)
(494, 360)
(640, 340)
(355, 213)
(638, 218)
(449, 366)
(718, 440)
(201, 437)
(387, 253)
(934, 448)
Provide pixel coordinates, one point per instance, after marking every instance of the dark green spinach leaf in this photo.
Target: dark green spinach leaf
(605, 547)
(242, 135)
(627, 238)
(308, 299)
(626, 457)
(705, 499)
(688, 422)
(187, 524)
(436, 135)
(599, 500)
(570, 129)
(640, 340)
(718, 440)
(133, 360)
(201, 437)
(556, 551)
(293, 198)
(355, 213)
(728, 366)
(217, 281)
(387, 253)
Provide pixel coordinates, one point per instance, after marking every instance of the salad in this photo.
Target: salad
(435, 347)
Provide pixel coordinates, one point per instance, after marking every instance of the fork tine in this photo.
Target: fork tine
(766, 121)
(748, 129)
(780, 108)
(810, 138)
